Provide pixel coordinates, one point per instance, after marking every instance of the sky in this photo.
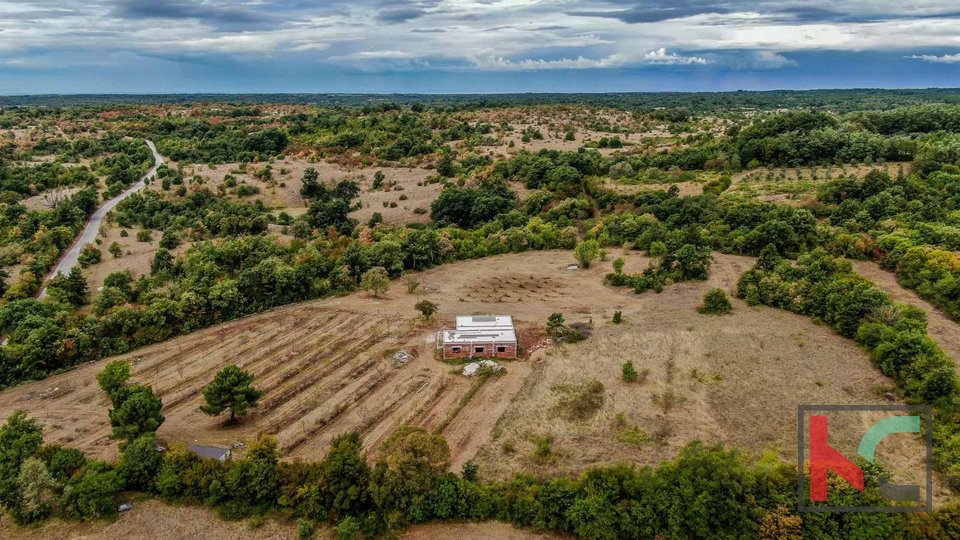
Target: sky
(474, 46)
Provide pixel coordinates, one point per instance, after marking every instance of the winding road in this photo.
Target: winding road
(89, 233)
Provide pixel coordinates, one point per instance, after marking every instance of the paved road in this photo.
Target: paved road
(89, 234)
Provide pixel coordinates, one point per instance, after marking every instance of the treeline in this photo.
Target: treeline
(213, 282)
(20, 182)
(840, 100)
(197, 140)
(827, 289)
(204, 213)
(704, 492)
(908, 224)
(36, 238)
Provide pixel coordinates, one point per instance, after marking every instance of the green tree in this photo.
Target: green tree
(255, 480)
(139, 462)
(109, 297)
(71, 288)
(115, 249)
(375, 280)
(169, 240)
(232, 388)
(411, 458)
(89, 255)
(555, 324)
(426, 308)
(715, 302)
(586, 252)
(113, 379)
(20, 438)
(92, 495)
(344, 478)
(446, 166)
(629, 373)
(136, 413)
(311, 188)
(36, 487)
(162, 261)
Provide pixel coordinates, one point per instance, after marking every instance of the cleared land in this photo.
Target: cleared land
(941, 328)
(735, 379)
(156, 519)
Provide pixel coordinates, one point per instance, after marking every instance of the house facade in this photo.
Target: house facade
(483, 336)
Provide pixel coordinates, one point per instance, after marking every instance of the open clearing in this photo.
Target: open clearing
(324, 369)
(941, 328)
(156, 519)
(734, 379)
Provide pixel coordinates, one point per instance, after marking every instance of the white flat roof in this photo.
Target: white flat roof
(467, 337)
(484, 321)
(481, 329)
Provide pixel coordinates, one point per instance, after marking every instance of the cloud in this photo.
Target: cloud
(752, 60)
(400, 14)
(656, 57)
(221, 16)
(943, 59)
(662, 57)
(479, 35)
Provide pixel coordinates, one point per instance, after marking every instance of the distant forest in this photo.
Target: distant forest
(835, 100)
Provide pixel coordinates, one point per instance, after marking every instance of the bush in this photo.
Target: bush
(586, 252)
(375, 280)
(617, 317)
(579, 401)
(629, 373)
(426, 308)
(89, 255)
(715, 302)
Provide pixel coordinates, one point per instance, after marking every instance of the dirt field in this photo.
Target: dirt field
(283, 192)
(735, 379)
(155, 519)
(941, 328)
(323, 367)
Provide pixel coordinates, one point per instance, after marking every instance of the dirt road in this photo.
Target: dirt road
(89, 233)
(942, 329)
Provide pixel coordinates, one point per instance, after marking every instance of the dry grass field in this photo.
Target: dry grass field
(324, 368)
(155, 519)
(734, 379)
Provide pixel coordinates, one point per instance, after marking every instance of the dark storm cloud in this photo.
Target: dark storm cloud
(222, 16)
(399, 14)
(798, 12)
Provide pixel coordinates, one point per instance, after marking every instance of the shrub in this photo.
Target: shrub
(579, 401)
(426, 308)
(144, 235)
(232, 388)
(629, 373)
(586, 252)
(375, 280)
(305, 529)
(715, 302)
(89, 255)
(617, 317)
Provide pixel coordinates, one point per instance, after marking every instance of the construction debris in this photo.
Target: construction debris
(472, 368)
(401, 357)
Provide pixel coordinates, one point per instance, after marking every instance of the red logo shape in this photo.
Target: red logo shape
(824, 457)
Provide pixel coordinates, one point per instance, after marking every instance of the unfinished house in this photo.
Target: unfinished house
(484, 336)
